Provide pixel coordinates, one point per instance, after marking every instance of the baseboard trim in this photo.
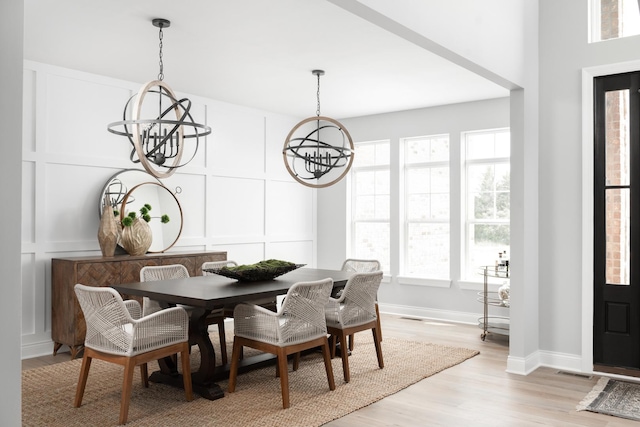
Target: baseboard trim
(430, 313)
(38, 349)
(515, 365)
(523, 365)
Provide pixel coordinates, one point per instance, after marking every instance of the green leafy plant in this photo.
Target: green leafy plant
(144, 214)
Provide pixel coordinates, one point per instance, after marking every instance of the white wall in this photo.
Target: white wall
(236, 194)
(458, 301)
(11, 42)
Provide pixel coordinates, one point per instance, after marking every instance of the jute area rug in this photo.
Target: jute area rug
(48, 392)
(613, 397)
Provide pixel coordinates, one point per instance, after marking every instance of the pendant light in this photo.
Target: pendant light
(318, 152)
(158, 140)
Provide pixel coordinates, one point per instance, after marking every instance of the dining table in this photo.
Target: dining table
(204, 294)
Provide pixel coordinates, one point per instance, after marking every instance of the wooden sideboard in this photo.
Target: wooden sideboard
(67, 321)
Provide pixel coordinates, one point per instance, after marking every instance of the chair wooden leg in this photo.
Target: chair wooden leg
(378, 328)
(332, 345)
(284, 377)
(233, 370)
(376, 341)
(144, 375)
(82, 380)
(345, 358)
(351, 342)
(327, 365)
(126, 389)
(296, 360)
(223, 342)
(186, 372)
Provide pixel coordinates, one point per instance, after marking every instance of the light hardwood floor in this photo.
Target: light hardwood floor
(478, 392)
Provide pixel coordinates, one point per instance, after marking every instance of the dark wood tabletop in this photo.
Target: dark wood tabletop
(214, 291)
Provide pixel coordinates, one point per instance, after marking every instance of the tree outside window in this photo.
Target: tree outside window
(488, 198)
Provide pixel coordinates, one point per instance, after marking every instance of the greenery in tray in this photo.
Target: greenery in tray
(269, 264)
(263, 270)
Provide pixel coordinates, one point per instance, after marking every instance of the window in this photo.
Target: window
(426, 207)
(487, 194)
(612, 19)
(370, 202)
(441, 201)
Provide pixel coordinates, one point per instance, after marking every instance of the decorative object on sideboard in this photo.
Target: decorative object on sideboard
(157, 140)
(317, 160)
(108, 231)
(164, 202)
(136, 238)
(136, 233)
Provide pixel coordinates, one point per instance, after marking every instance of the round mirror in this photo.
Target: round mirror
(119, 185)
(162, 202)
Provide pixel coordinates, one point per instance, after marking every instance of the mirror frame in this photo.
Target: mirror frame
(159, 184)
(144, 177)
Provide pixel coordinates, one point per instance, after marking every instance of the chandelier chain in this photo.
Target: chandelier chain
(161, 63)
(318, 97)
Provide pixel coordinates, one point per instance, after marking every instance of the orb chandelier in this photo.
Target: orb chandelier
(158, 140)
(318, 152)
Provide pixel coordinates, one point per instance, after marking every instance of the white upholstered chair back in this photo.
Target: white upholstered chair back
(357, 304)
(361, 265)
(216, 265)
(159, 272)
(301, 317)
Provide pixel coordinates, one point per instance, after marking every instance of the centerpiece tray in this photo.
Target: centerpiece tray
(263, 270)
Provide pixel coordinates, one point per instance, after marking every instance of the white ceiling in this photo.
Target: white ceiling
(255, 53)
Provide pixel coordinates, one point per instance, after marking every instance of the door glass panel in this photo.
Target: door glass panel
(617, 137)
(618, 224)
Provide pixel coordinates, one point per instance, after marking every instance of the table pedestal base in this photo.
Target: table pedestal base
(209, 391)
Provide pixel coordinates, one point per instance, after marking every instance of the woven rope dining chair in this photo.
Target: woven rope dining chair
(353, 312)
(117, 333)
(178, 271)
(363, 266)
(298, 325)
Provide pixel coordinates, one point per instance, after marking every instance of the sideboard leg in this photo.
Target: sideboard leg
(56, 347)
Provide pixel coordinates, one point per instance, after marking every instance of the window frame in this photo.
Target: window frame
(468, 273)
(405, 167)
(353, 195)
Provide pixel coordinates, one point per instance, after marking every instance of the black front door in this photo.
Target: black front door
(616, 346)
